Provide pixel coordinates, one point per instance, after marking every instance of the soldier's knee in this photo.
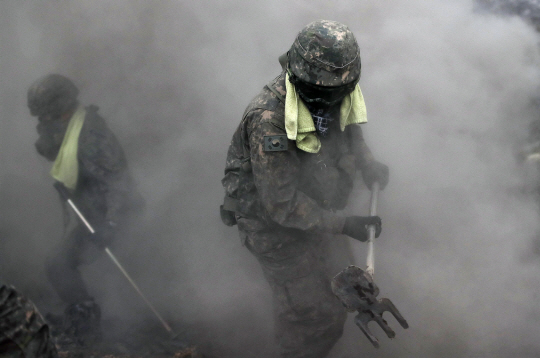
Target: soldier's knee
(324, 313)
(338, 323)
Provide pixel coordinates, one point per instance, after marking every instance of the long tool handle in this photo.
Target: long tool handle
(152, 308)
(370, 262)
(65, 195)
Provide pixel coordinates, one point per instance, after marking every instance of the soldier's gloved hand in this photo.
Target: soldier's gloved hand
(356, 226)
(104, 234)
(375, 172)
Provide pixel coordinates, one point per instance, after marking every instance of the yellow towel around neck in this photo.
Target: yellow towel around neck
(299, 123)
(66, 166)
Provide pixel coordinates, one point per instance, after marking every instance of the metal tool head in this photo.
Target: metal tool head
(355, 288)
(357, 291)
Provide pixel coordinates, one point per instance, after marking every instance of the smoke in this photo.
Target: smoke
(449, 96)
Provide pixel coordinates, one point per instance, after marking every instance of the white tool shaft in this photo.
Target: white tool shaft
(121, 268)
(81, 216)
(370, 262)
(126, 275)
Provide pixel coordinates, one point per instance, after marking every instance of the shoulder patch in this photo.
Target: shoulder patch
(275, 143)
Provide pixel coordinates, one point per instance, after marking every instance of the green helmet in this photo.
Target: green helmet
(325, 53)
(52, 95)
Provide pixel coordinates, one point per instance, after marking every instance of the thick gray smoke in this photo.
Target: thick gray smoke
(449, 95)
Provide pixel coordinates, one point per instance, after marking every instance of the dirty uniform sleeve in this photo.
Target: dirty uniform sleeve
(276, 176)
(360, 149)
(232, 167)
(103, 158)
(23, 332)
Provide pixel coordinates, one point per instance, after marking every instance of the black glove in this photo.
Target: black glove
(104, 234)
(375, 172)
(356, 226)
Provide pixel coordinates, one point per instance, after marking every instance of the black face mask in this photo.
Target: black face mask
(320, 95)
(51, 135)
(322, 116)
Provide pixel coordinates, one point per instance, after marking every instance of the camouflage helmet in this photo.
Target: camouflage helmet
(52, 95)
(325, 53)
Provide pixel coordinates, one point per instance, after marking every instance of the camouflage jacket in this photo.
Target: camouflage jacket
(105, 188)
(290, 188)
(23, 332)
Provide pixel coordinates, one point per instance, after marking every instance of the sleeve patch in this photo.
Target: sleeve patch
(275, 143)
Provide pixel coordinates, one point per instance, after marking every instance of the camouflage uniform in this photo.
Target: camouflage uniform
(103, 194)
(286, 217)
(23, 333)
(284, 199)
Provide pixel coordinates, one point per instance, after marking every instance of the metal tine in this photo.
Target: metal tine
(362, 320)
(384, 325)
(376, 316)
(390, 307)
(356, 290)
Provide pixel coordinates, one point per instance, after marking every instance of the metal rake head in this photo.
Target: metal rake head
(357, 291)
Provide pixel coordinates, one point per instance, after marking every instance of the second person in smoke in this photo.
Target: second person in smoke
(89, 161)
(290, 167)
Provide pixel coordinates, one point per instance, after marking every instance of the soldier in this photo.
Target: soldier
(290, 166)
(90, 162)
(23, 332)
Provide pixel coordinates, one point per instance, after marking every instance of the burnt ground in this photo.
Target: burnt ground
(226, 337)
(145, 340)
(79, 353)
